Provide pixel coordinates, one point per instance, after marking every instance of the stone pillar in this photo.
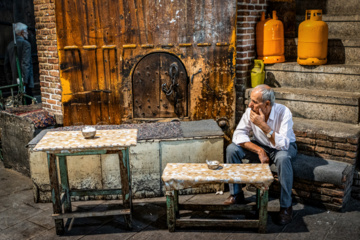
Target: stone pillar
(48, 57)
(248, 14)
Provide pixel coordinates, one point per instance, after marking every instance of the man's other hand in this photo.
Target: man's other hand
(263, 157)
(257, 119)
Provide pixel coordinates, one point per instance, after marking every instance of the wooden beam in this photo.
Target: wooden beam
(217, 223)
(91, 214)
(219, 207)
(96, 192)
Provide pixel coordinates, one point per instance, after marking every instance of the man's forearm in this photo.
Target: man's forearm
(256, 149)
(251, 147)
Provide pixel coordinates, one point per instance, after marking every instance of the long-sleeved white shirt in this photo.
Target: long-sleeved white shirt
(280, 121)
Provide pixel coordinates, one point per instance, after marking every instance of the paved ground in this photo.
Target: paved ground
(21, 218)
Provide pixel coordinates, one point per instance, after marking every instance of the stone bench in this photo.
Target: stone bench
(158, 144)
(319, 182)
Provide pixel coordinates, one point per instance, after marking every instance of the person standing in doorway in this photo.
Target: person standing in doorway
(24, 56)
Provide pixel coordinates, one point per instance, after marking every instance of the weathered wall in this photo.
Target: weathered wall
(248, 13)
(16, 133)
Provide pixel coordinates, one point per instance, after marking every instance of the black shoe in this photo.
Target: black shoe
(285, 216)
(235, 199)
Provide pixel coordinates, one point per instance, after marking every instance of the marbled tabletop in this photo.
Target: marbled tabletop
(75, 141)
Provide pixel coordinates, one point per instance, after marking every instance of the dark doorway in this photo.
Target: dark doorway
(160, 87)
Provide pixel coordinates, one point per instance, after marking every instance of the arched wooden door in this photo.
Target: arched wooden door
(160, 87)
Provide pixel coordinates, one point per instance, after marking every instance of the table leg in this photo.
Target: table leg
(55, 193)
(65, 183)
(176, 202)
(170, 209)
(126, 184)
(263, 202)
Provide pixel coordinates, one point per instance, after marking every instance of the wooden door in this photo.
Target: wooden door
(160, 87)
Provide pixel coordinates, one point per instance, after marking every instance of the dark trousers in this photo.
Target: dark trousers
(282, 160)
(28, 91)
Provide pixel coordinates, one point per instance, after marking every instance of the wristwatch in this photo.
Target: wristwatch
(269, 134)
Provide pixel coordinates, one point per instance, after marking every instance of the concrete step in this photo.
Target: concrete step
(327, 139)
(340, 51)
(329, 7)
(337, 77)
(319, 104)
(340, 26)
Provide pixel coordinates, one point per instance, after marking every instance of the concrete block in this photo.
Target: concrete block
(110, 171)
(326, 77)
(145, 169)
(84, 172)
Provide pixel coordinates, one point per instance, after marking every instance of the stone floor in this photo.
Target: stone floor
(21, 218)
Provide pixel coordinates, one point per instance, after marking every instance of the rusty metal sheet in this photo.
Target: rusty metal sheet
(101, 43)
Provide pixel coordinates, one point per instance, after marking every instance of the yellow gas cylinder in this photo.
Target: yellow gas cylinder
(270, 39)
(257, 73)
(313, 39)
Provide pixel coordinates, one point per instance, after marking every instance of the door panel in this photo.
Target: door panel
(146, 87)
(160, 87)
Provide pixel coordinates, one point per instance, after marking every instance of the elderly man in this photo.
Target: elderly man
(24, 55)
(274, 142)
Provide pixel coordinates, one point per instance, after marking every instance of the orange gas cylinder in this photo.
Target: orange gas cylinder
(270, 39)
(313, 39)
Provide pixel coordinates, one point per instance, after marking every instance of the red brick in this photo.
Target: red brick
(353, 140)
(53, 60)
(56, 107)
(300, 133)
(243, 61)
(351, 154)
(45, 95)
(337, 139)
(325, 143)
(52, 48)
(49, 79)
(305, 140)
(346, 146)
(44, 73)
(46, 106)
(44, 84)
(55, 97)
(54, 73)
(339, 153)
(50, 101)
(244, 6)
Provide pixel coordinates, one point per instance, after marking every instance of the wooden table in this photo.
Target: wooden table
(177, 176)
(72, 143)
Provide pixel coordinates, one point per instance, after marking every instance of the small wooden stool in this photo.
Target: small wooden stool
(177, 176)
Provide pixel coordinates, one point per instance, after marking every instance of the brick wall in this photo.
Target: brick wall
(341, 149)
(48, 56)
(248, 14)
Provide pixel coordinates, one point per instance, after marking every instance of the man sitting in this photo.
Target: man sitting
(274, 142)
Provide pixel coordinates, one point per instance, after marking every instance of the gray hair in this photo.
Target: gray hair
(19, 27)
(266, 92)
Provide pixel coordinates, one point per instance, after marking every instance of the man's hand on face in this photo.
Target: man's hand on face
(257, 119)
(263, 157)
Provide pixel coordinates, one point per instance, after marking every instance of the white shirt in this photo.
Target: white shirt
(280, 121)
